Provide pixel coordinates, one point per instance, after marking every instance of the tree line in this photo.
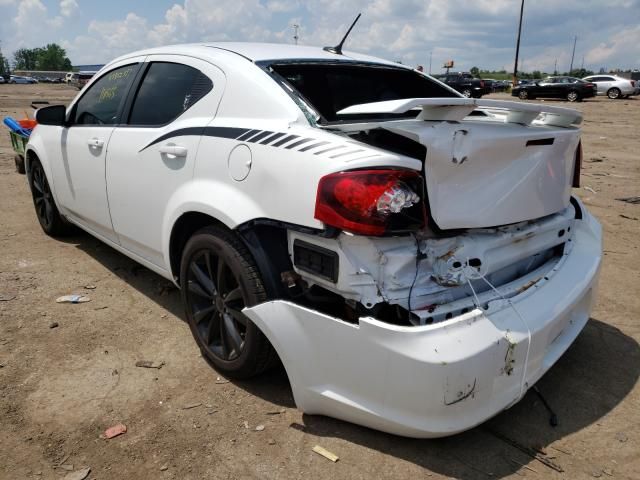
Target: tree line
(536, 74)
(50, 57)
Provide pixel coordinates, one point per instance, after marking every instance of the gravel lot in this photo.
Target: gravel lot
(62, 386)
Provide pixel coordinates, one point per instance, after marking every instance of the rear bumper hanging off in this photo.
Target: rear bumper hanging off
(435, 380)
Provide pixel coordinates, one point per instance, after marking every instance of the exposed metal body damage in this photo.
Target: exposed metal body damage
(437, 278)
(426, 378)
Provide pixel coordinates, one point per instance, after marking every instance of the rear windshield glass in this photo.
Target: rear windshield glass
(330, 87)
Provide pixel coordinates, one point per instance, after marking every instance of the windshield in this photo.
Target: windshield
(331, 87)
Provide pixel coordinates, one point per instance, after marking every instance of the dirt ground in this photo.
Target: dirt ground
(62, 386)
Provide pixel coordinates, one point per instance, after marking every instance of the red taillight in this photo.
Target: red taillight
(371, 202)
(577, 166)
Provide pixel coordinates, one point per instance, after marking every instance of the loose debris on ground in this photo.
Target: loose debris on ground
(326, 453)
(115, 431)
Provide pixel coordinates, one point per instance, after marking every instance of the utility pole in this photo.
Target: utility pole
(430, 58)
(555, 67)
(295, 32)
(515, 65)
(575, 39)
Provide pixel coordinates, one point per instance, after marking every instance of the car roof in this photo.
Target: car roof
(259, 52)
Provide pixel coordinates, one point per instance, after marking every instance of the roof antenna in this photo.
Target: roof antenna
(338, 48)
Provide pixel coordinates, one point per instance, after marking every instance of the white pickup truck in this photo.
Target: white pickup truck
(414, 258)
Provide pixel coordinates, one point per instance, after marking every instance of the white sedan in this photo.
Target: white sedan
(613, 86)
(415, 259)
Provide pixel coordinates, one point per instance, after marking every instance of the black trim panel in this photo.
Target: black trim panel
(540, 141)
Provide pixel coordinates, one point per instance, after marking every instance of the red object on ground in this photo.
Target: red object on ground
(116, 430)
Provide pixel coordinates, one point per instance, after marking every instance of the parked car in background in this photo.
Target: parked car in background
(80, 79)
(68, 77)
(21, 79)
(501, 85)
(466, 84)
(415, 259)
(569, 88)
(2, 79)
(612, 86)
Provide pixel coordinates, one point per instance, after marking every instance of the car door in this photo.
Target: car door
(605, 84)
(153, 153)
(79, 171)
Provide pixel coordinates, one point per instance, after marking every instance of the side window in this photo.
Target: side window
(100, 105)
(167, 90)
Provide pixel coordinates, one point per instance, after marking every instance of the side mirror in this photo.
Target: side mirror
(53, 115)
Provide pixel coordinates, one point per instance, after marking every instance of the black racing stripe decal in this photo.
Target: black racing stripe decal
(313, 145)
(260, 136)
(176, 133)
(250, 133)
(222, 132)
(285, 140)
(271, 138)
(347, 153)
(329, 149)
(299, 142)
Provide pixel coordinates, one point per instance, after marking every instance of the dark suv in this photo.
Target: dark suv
(466, 84)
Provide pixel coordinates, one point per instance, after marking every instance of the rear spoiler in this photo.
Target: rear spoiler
(457, 109)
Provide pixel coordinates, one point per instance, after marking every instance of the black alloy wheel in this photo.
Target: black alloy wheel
(218, 279)
(46, 210)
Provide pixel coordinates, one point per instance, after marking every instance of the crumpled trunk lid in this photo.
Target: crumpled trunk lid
(484, 173)
(489, 162)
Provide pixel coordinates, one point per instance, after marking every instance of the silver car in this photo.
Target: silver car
(613, 86)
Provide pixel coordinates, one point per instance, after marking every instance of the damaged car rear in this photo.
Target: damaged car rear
(414, 258)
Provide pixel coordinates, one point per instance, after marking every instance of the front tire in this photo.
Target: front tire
(47, 212)
(218, 278)
(613, 93)
(573, 96)
(523, 94)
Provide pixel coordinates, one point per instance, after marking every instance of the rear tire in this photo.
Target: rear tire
(218, 278)
(466, 92)
(573, 96)
(47, 212)
(613, 93)
(523, 95)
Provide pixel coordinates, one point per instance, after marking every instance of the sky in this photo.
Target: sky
(478, 33)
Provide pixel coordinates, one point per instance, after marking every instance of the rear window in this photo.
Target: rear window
(331, 87)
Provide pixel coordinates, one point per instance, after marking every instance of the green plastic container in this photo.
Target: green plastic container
(19, 143)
